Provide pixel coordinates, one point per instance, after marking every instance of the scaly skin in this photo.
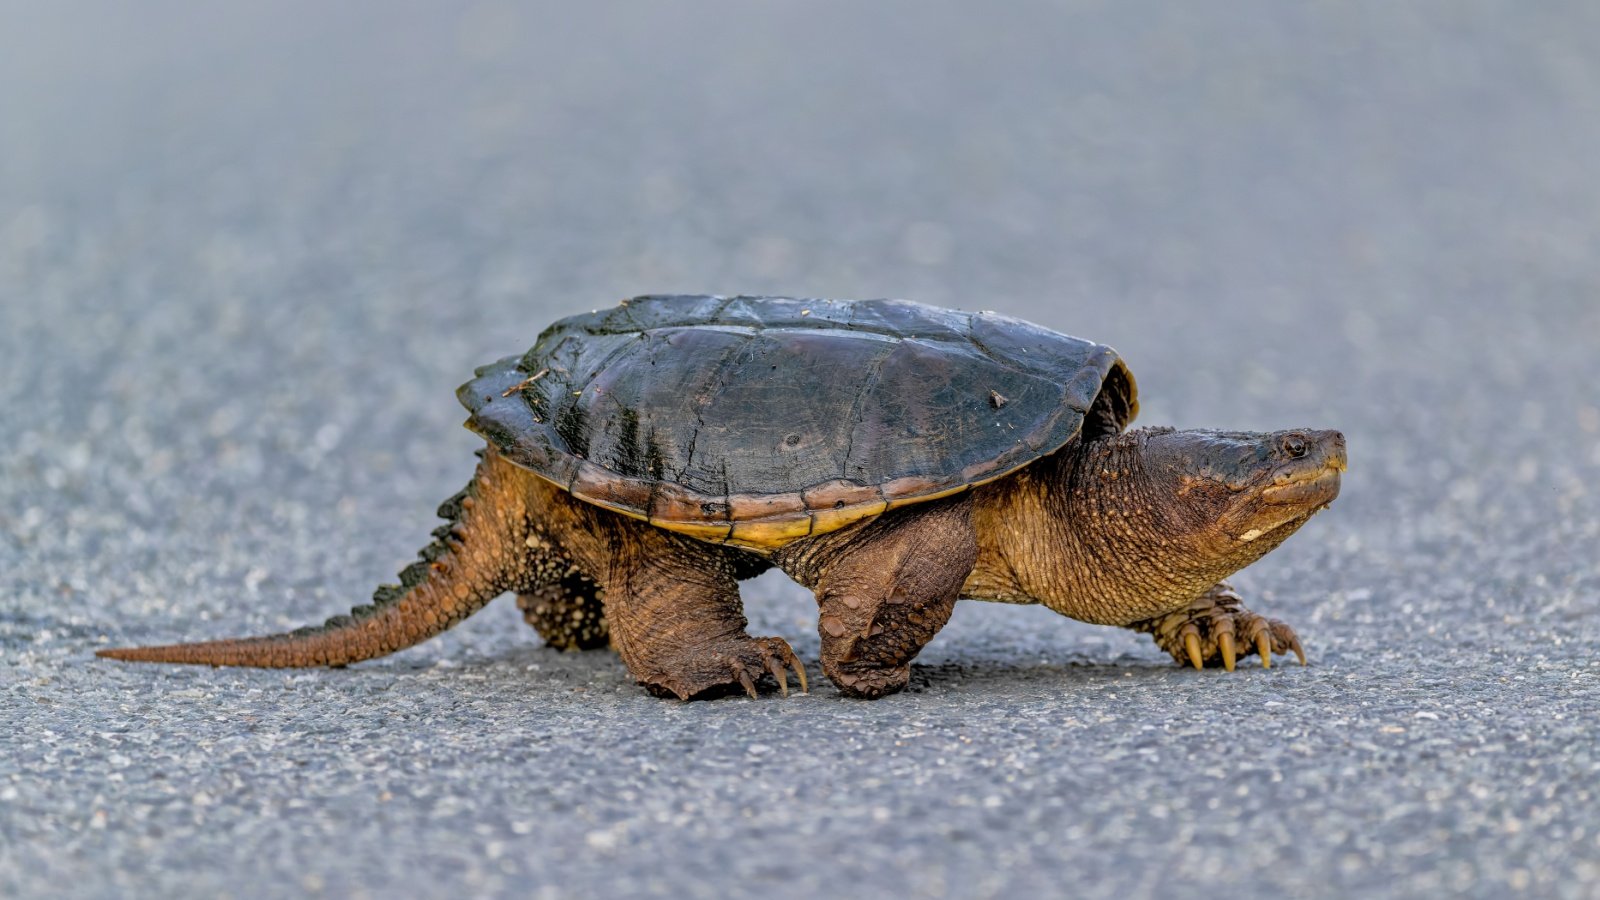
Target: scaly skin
(1135, 530)
(569, 614)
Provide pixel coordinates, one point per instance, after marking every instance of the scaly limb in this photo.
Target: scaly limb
(884, 590)
(676, 620)
(1216, 628)
(568, 612)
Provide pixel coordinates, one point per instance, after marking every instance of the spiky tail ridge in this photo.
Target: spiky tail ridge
(469, 563)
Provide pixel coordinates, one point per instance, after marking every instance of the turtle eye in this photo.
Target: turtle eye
(1295, 446)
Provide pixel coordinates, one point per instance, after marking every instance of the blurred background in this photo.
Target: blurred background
(248, 250)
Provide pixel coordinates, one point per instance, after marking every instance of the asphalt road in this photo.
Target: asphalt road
(247, 251)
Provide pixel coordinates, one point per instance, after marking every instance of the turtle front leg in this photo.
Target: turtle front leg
(1216, 629)
(676, 621)
(884, 590)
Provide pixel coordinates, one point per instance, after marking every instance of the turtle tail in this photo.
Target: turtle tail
(471, 560)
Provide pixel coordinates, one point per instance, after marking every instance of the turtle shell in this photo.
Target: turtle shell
(755, 421)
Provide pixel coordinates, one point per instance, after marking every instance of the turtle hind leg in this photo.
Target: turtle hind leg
(568, 612)
(884, 590)
(677, 621)
(559, 599)
(1216, 629)
(565, 604)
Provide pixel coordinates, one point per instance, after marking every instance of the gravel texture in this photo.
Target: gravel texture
(248, 250)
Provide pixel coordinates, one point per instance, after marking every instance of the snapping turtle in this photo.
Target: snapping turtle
(888, 455)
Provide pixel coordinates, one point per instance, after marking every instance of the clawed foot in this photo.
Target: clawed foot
(772, 656)
(1218, 629)
(733, 667)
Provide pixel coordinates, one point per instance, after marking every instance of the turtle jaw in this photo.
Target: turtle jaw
(1316, 489)
(1299, 486)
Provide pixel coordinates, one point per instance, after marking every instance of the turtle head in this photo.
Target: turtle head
(1243, 493)
(1137, 524)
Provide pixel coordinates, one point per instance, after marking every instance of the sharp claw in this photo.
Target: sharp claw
(1191, 643)
(1264, 647)
(749, 686)
(780, 673)
(799, 667)
(1225, 644)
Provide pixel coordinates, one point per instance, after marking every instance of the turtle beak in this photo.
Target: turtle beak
(1309, 476)
(1333, 452)
(1304, 479)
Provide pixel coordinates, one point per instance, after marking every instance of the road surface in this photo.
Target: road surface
(248, 251)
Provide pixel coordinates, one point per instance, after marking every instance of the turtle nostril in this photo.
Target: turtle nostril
(1295, 446)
